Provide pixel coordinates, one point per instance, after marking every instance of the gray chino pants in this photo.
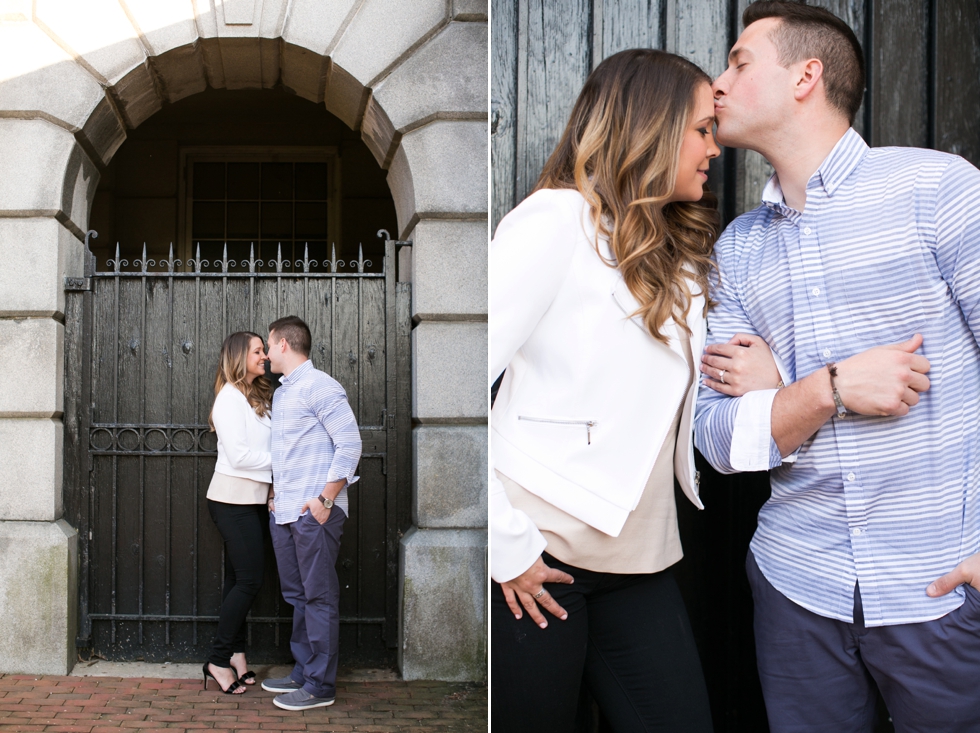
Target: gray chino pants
(818, 674)
(306, 553)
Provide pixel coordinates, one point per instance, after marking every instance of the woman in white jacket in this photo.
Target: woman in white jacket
(237, 497)
(597, 319)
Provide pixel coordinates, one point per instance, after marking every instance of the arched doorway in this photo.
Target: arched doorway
(242, 167)
(228, 210)
(409, 79)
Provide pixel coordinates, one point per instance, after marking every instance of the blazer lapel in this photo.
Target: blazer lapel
(695, 321)
(624, 298)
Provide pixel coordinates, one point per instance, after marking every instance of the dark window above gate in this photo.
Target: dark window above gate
(267, 201)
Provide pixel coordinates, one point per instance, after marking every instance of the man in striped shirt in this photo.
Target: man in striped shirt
(861, 271)
(316, 446)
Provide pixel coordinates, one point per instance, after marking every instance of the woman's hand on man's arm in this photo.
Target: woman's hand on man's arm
(744, 364)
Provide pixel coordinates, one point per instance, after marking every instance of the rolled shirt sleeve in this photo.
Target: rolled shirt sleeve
(752, 445)
(734, 433)
(333, 411)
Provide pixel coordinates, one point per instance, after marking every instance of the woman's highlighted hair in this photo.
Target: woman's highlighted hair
(620, 149)
(233, 369)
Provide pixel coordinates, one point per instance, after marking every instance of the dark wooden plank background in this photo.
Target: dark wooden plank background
(923, 90)
(923, 85)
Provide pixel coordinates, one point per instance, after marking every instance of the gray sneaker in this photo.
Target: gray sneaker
(301, 700)
(283, 684)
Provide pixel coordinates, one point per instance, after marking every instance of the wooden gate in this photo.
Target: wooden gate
(141, 349)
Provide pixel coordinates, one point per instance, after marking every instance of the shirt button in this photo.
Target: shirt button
(850, 477)
(816, 291)
(856, 532)
(826, 352)
(806, 230)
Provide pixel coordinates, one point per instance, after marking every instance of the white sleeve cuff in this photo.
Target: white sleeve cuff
(515, 543)
(752, 433)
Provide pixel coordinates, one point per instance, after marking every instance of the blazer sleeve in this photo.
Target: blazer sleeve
(229, 416)
(530, 257)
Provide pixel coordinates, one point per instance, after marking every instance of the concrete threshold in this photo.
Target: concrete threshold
(172, 671)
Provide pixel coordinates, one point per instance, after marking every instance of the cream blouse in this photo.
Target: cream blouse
(237, 490)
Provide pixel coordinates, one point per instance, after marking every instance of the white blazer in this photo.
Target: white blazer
(244, 438)
(589, 394)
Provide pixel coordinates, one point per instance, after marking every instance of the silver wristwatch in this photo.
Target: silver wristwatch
(328, 503)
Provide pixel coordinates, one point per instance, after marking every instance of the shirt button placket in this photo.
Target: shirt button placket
(856, 519)
(815, 280)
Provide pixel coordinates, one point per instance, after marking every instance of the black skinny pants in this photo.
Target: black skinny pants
(627, 638)
(243, 527)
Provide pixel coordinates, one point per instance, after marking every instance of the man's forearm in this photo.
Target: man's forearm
(332, 488)
(800, 409)
(884, 380)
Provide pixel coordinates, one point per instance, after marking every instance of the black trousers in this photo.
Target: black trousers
(243, 527)
(627, 639)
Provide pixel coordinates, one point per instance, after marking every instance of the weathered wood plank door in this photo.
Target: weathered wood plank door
(923, 90)
(141, 352)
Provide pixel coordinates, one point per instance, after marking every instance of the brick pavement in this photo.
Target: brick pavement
(115, 704)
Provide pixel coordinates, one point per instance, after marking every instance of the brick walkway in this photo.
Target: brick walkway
(114, 704)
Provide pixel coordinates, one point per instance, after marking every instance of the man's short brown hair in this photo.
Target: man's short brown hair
(296, 333)
(807, 32)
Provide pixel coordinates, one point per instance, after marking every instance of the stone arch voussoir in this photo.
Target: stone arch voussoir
(246, 63)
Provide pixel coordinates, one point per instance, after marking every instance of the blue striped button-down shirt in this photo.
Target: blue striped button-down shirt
(315, 440)
(888, 246)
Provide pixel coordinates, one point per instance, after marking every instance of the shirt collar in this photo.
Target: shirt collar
(836, 167)
(296, 373)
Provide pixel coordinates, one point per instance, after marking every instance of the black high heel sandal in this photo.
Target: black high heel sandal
(235, 684)
(249, 675)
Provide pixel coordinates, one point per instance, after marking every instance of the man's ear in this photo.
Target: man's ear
(809, 75)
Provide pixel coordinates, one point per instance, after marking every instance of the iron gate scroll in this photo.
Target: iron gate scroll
(141, 348)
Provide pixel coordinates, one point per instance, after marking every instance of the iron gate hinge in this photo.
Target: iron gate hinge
(78, 283)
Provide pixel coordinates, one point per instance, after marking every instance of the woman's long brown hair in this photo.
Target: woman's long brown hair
(620, 149)
(233, 368)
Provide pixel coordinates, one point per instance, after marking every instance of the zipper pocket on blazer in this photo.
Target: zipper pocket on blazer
(589, 424)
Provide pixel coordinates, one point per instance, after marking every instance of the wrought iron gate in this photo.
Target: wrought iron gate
(141, 348)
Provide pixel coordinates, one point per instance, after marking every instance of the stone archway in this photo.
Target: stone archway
(411, 77)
